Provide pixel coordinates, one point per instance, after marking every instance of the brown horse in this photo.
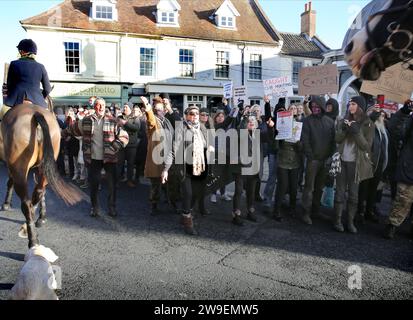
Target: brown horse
(30, 138)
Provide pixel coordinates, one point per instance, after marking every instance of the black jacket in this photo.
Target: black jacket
(132, 127)
(23, 82)
(318, 137)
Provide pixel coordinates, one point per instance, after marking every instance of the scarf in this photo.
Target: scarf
(28, 56)
(198, 157)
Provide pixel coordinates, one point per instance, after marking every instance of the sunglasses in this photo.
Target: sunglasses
(204, 114)
(193, 113)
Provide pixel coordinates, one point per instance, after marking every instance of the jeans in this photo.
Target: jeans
(95, 169)
(250, 185)
(315, 177)
(344, 181)
(287, 181)
(272, 178)
(128, 154)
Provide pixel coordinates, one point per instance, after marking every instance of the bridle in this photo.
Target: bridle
(405, 54)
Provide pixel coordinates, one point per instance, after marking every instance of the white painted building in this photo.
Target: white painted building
(123, 49)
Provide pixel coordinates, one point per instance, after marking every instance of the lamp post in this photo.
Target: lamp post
(242, 48)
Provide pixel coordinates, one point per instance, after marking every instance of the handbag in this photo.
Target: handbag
(335, 167)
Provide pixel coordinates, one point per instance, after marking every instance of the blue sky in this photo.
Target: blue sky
(333, 19)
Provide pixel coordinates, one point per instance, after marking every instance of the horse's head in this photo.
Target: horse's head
(384, 40)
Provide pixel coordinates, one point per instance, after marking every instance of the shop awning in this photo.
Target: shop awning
(184, 89)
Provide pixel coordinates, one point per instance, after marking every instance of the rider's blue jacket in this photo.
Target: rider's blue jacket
(23, 83)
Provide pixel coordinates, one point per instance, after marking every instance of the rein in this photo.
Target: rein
(405, 54)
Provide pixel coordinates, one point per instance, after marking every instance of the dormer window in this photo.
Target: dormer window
(104, 10)
(225, 16)
(167, 13)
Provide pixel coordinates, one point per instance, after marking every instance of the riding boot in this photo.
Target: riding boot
(188, 224)
(352, 211)
(338, 225)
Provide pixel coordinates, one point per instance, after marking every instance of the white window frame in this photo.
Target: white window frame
(223, 22)
(93, 13)
(167, 15)
(255, 101)
(220, 64)
(79, 42)
(103, 12)
(193, 63)
(298, 72)
(254, 66)
(154, 66)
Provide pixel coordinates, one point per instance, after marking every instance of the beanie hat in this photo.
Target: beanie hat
(191, 108)
(204, 110)
(27, 45)
(361, 102)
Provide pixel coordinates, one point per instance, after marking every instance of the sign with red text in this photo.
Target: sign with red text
(278, 87)
(284, 125)
(318, 80)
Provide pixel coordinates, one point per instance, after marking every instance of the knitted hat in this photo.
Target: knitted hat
(27, 45)
(361, 102)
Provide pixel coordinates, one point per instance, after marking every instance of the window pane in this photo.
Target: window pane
(72, 56)
(147, 62)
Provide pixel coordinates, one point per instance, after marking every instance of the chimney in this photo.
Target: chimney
(308, 21)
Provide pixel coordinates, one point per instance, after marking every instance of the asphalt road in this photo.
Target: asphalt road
(137, 256)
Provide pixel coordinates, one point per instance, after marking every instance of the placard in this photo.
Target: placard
(240, 93)
(278, 87)
(296, 135)
(318, 80)
(395, 83)
(284, 125)
(228, 90)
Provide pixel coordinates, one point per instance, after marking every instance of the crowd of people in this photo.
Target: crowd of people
(344, 160)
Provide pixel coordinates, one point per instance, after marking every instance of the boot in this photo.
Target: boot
(390, 231)
(95, 212)
(112, 212)
(154, 209)
(372, 217)
(236, 218)
(251, 215)
(277, 214)
(188, 224)
(350, 223)
(307, 218)
(338, 225)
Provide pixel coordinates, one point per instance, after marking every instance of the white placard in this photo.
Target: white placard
(228, 90)
(284, 125)
(278, 87)
(240, 93)
(296, 135)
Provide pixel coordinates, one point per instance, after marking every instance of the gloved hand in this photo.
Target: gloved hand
(407, 107)
(116, 146)
(354, 128)
(375, 115)
(344, 127)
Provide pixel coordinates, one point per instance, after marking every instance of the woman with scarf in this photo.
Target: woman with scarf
(368, 188)
(24, 78)
(354, 137)
(190, 151)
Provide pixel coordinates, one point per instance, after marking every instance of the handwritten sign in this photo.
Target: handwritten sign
(318, 80)
(240, 93)
(228, 90)
(284, 125)
(278, 87)
(396, 83)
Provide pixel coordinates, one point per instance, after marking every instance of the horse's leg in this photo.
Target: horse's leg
(20, 185)
(39, 197)
(7, 202)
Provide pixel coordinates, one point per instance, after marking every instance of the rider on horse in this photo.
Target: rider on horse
(24, 78)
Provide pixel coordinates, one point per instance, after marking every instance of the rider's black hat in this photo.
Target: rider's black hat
(27, 45)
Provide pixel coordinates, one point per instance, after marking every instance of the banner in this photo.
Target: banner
(228, 90)
(395, 83)
(318, 80)
(284, 125)
(278, 87)
(240, 93)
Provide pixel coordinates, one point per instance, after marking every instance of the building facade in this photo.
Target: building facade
(120, 50)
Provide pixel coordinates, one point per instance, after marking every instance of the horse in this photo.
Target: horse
(30, 139)
(384, 38)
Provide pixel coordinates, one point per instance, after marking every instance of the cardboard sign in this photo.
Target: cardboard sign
(228, 90)
(278, 87)
(240, 93)
(396, 83)
(284, 125)
(318, 80)
(389, 108)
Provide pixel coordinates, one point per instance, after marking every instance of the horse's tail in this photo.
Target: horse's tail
(69, 193)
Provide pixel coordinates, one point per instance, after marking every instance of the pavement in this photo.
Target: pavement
(139, 256)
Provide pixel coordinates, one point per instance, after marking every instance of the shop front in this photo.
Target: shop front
(69, 94)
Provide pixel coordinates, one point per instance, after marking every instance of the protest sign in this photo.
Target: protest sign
(278, 87)
(318, 80)
(228, 90)
(297, 129)
(396, 83)
(240, 93)
(284, 125)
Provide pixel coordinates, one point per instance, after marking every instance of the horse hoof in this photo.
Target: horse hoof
(40, 223)
(5, 207)
(23, 231)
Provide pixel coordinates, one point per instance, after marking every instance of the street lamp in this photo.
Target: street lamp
(242, 48)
